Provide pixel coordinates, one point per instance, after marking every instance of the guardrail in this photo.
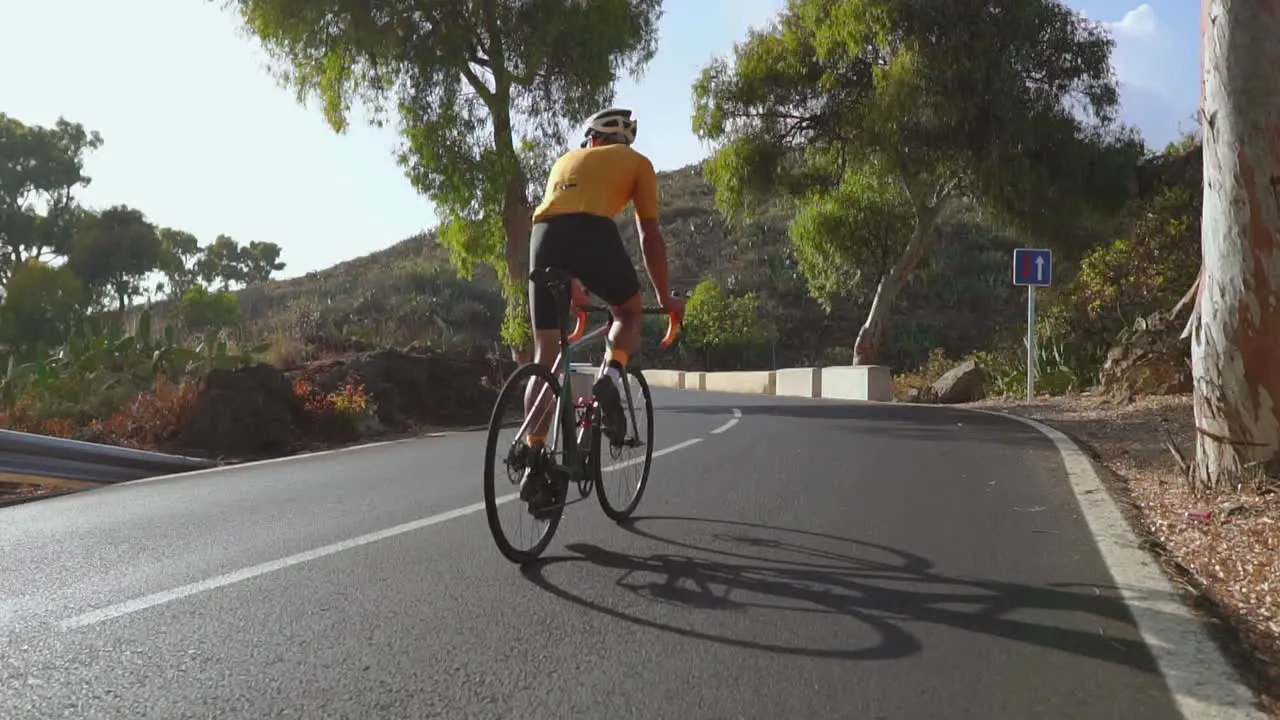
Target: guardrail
(38, 456)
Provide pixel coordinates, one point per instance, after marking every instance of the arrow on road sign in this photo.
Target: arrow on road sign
(1032, 267)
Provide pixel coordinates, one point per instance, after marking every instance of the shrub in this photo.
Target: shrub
(23, 418)
(335, 415)
(151, 418)
(719, 329)
(1146, 270)
(204, 310)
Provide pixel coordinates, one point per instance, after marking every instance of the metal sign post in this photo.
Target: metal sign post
(1032, 268)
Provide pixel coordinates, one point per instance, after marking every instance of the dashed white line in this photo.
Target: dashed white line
(737, 415)
(127, 607)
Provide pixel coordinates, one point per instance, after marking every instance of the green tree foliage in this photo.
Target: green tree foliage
(41, 307)
(226, 262)
(482, 89)
(181, 253)
(40, 169)
(220, 263)
(260, 261)
(203, 310)
(857, 109)
(1145, 270)
(113, 251)
(838, 235)
(720, 328)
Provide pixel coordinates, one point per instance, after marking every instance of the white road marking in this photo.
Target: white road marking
(232, 467)
(656, 453)
(737, 415)
(127, 607)
(148, 601)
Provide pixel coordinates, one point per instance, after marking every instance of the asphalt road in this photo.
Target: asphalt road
(813, 560)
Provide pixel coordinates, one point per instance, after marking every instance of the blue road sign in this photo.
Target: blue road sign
(1033, 267)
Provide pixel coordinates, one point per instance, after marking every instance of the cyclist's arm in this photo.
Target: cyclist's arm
(645, 196)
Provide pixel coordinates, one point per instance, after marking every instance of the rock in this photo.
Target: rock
(251, 411)
(1150, 360)
(963, 383)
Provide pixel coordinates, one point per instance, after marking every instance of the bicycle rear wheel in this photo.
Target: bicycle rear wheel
(614, 503)
(506, 452)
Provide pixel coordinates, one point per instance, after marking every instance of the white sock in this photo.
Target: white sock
(615, 375)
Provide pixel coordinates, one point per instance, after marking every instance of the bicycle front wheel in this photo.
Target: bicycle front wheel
(506, 456)
(626, 468)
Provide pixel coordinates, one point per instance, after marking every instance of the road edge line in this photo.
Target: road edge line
(250, 464)
(1203, 684)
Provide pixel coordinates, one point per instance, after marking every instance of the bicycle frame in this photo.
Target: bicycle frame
(563, 369)
(561, 422)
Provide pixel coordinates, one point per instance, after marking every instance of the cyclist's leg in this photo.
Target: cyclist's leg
(549, 246)
(601, 262)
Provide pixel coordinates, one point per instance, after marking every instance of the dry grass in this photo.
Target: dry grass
(15, 492)
(1226, 548)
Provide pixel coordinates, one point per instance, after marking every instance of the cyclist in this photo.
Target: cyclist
(574, 230)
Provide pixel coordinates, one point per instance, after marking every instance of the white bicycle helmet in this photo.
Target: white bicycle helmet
(611, 123)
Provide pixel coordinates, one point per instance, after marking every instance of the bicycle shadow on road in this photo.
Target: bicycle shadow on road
(885, 596)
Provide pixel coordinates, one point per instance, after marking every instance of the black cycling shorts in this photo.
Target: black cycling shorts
(588, 247)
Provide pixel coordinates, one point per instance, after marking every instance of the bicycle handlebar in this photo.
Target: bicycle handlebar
(580, 328)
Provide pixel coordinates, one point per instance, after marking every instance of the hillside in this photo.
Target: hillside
(409, 295)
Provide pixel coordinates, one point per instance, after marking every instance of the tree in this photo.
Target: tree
(222, 260)
(259, 260)
(482, 90)
(718, 326)
(872, 115)
(41, 307)
(40, 168)
(1235, 338)
(113, 251)
(178, 263)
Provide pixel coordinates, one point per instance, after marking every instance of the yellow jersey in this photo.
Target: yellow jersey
(600, 181)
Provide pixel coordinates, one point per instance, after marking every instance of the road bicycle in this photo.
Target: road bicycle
(578, 462)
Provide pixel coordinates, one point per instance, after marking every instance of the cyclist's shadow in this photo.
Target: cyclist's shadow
(881, 595)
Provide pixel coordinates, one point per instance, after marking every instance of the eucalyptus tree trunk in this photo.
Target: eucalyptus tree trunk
(1235, 343)
(866, 348)
(517, 223)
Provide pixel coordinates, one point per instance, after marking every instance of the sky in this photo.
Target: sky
(200, 137)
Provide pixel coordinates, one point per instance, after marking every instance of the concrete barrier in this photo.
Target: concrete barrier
(665, 378)
(753, 382)
(857, 382)
(872, 383)
(581, 377)
(798, 382)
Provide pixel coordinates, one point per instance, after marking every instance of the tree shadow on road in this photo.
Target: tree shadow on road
(731, 572)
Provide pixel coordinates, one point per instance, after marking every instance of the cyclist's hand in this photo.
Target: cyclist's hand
(673, 305)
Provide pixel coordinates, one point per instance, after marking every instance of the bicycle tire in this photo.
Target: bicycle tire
(626, 512)
(512, 389)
